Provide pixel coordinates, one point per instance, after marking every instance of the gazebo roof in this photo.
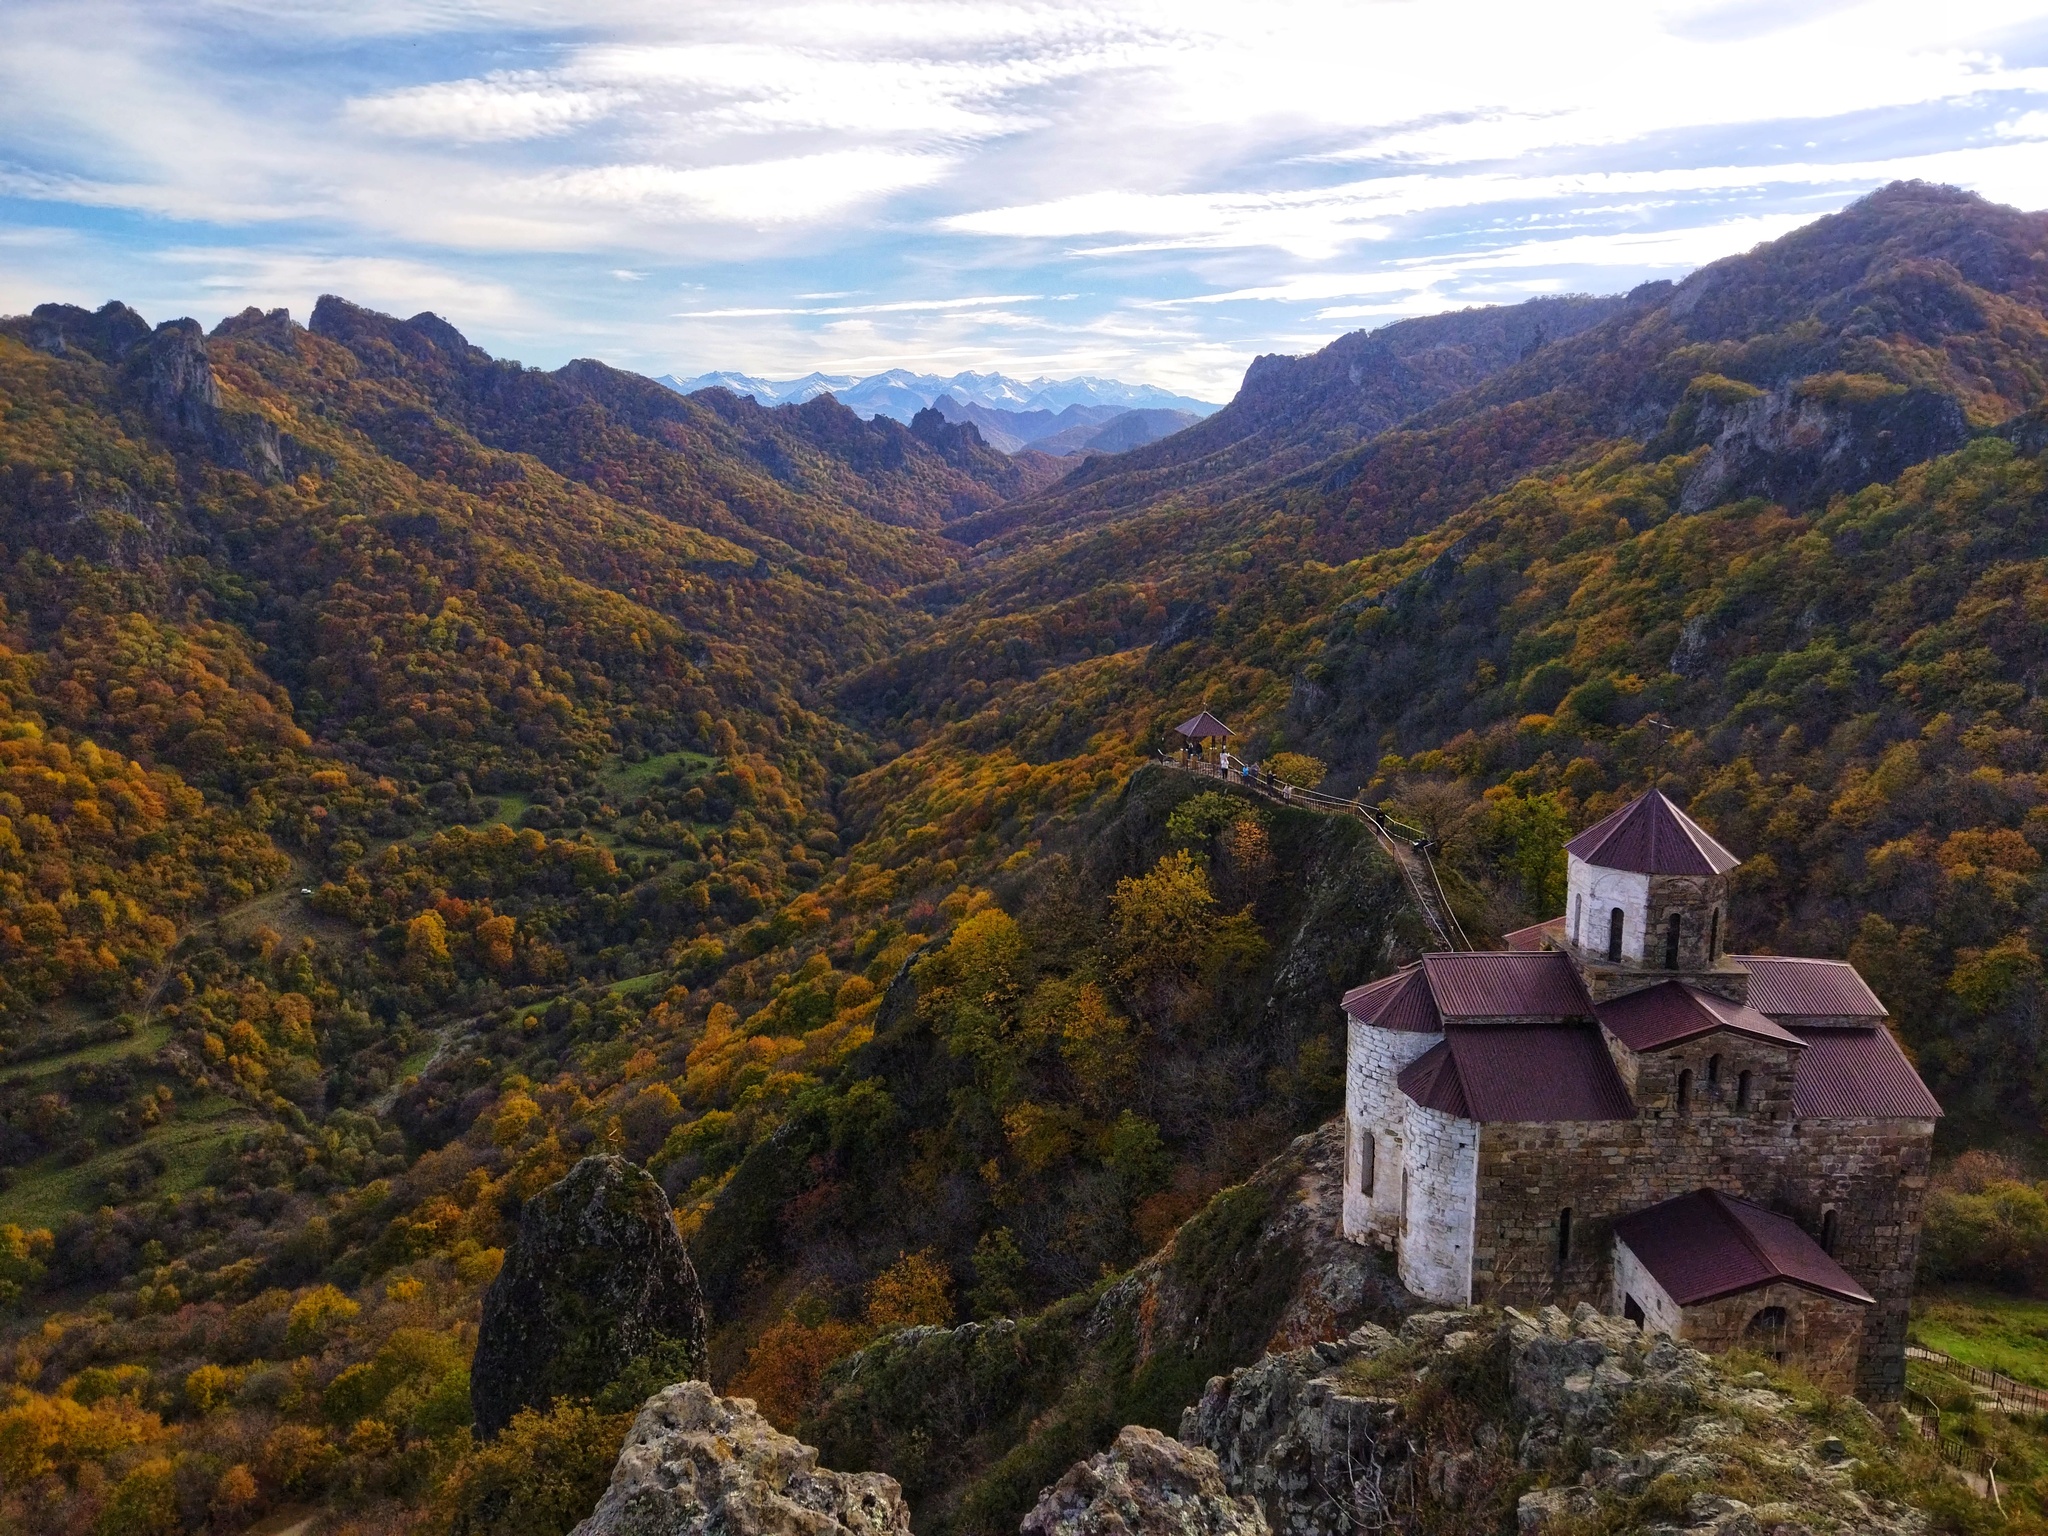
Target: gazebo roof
(1204, 726)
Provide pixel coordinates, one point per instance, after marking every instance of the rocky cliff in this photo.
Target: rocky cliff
(597, 1299)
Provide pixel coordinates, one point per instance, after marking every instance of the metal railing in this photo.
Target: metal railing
(1409, 847)
(2020, 1392)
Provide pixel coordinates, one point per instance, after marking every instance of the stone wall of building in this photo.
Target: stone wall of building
(1591, 894)
(1375, 1109)
(1701, 902)
(1438, 1187)
(1871, 1174)
(1823, 1336)
(1632, 1282)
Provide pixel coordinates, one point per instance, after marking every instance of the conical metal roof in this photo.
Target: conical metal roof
(1651, 836)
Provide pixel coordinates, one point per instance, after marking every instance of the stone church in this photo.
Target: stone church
(1729, 1148)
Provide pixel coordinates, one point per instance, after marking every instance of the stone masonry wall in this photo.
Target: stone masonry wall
(1695, 898)
(1872, 1174)
(1439, 1190)
(1593, 893)
(1632, 1280)
(1823, 1335)
(1374, 1106)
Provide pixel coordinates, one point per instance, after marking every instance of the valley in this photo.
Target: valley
(419, 771)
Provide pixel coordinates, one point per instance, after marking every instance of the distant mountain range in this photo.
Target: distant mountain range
(1056, 416)
(901, 394)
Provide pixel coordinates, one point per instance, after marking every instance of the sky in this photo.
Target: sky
(1155, 192)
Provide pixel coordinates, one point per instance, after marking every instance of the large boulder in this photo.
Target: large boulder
(597, 1299)
(696, 1462)
(1144, 1485)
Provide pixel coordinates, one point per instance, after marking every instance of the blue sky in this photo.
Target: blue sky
(1155, 192)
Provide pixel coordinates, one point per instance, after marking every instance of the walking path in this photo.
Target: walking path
(1409, 853)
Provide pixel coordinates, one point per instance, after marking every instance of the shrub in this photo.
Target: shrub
(539, 1477)
(1298, 769)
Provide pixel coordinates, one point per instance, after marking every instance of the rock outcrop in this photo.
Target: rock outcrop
(1144, 1485)
(1460, 1413)
(1818, 437)
(597, 1299)
(977, 1420)
(107, 334)
(697, 1463)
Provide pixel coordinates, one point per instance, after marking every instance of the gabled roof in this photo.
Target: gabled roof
(1204, 725)
(1706, 1245)
(1858, 1074)
(1672, 1011)
(1400, 1001)
(1532, 939)
(1789, 988)
(1651, 836)
(1492, 984)
(1519, 1072)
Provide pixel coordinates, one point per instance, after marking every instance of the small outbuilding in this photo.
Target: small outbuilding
(1722, 1273)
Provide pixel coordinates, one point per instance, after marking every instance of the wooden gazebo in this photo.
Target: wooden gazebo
(1204, 728)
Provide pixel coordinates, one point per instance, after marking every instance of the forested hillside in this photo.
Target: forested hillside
(420, 769)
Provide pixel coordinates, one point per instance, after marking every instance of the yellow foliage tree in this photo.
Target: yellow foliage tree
(914, 1291)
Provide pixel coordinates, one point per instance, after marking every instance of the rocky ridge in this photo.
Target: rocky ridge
(1478, 1419)
(1461, 1421)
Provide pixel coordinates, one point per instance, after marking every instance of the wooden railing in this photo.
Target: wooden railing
(1409, 847)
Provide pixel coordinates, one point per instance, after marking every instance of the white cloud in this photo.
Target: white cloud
(504, 106)
(803, 189)
(1323, 220)
(1334, 160)
(233, 279)
(899, 307)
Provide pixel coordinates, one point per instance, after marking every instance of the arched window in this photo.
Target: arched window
(1713, 1073)
(1766, 1333)
(1614, 934)
(1714, 935)
(1578, 925)
(1685, 1090)
(1830, 1229)
(1671, 943)
(1564, 1235)
(1742, 1091)
(1368, 1155)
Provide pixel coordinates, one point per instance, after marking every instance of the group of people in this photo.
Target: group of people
(1249, 774)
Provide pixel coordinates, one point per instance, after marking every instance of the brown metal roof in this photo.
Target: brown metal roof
(1204, 726)
(1400, 1001)
(1532, 939)
(1673, 1011)
(1706, 1245)
(1790, 988)
(1519, 1072)
(1504, 984)
(1431, 1080)
(1651, 836)
(1858, 1074)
